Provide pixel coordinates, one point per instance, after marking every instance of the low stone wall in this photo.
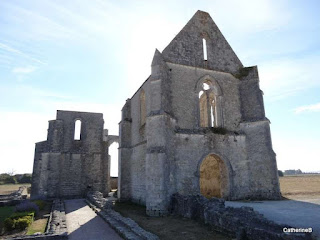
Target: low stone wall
(13, 198)
(125, 227)
(242, 223)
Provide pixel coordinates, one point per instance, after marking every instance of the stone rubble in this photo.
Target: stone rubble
(243, 223)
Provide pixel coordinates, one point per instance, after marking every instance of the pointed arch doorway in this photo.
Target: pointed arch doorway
(213, 177)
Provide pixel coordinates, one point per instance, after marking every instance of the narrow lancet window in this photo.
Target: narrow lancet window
(77, 130)
(204, 44)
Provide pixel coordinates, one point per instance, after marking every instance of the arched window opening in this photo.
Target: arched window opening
(207, 106)
(77, 130)
(114, 164)
(204, 46)
(142, 107)
(210, 103)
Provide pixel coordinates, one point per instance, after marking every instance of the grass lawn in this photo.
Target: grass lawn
(40, 222)
(9, 188)
(38, 226)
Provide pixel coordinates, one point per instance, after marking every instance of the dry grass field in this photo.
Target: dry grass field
(300, 186)
(9, 188)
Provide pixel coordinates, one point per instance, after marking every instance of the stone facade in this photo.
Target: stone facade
(65, 167)
(198, 105)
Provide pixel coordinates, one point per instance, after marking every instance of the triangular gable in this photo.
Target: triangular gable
(187, 47)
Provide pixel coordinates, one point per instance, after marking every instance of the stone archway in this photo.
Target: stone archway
(213, 177)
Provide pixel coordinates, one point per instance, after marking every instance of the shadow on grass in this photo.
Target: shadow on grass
(169, 227)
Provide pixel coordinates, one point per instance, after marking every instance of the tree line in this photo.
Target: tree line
(6, 178)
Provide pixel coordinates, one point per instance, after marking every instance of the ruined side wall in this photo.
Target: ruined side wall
(91, 131)
(64, 167)
(68, 175)
(185, 100)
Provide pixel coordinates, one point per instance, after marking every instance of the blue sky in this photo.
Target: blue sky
(93, 55)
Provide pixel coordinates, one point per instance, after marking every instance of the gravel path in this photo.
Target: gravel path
(84, 223)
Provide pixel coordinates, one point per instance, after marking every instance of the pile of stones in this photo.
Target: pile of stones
(98, 200)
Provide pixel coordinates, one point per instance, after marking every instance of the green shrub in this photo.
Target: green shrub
(18, 220)
(22, 214)
(23, 223)
(9, 224)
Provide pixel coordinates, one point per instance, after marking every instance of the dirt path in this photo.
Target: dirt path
(83, 223)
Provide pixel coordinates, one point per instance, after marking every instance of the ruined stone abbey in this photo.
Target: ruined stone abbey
(197, 125)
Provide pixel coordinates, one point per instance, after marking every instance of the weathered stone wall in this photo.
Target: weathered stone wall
(125, 150)
(264, 181)
(133, 149)
(138, 176)
(64, 167)
(190, 151)
(186, 48)
(185, 98)
(252, 107)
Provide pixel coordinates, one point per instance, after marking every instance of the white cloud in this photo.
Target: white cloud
(24, 70)
(20, 53)
(308, 108)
